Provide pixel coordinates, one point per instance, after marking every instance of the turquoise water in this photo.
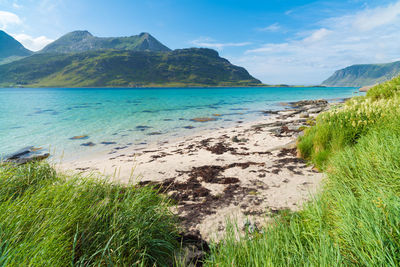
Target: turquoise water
(50, 117)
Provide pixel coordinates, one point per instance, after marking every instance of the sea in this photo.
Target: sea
(120, 117)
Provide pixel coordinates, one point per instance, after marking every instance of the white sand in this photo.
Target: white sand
(279, 181)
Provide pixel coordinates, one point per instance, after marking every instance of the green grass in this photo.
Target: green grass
(47, 219)
(355, 220)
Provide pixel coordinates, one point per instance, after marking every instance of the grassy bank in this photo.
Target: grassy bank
(49, 220)
(355, 219)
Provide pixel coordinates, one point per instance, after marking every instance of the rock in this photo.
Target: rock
(366, 88)
(237, 140)
(189, 127)
(120, 147)
(304, 115)
(203, 119)
(290, 145)
(270, 111)
(88, 144)
(108, 143)
(315, 110)
(301, 121)
(302, 103)
(79, 137)
(154, 133)
(276, 131)
(27, 154)
(142, 127)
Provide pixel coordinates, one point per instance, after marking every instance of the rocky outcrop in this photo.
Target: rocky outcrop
(27, 154)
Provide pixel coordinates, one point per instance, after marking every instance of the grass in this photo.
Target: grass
(51, 220)
(47, 219)
(355, 220)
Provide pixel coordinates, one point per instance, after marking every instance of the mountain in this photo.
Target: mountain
(363, 75)
(11, 49)
(114, 68)
(81, 41)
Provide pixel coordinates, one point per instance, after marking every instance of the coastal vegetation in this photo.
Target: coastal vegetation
(48, 219)
(354, 220)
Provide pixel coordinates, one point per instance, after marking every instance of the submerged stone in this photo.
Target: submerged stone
(142, 127)
(79, 137)
(120, 147)
(154, 133)
(88, 144)
(203, 119)
(108, 143)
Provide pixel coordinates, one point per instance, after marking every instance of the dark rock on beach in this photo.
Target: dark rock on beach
(302, 103)
(270, 112)
(27, 154)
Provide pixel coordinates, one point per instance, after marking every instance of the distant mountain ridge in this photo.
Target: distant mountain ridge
(79, 59)
(11, 49)
(122, 68)
(82, 41)
(363, 75)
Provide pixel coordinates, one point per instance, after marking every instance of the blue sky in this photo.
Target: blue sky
(278, 41)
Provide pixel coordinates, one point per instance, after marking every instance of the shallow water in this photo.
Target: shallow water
(50, 117)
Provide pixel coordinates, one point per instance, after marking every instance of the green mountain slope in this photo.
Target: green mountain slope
(80, 41)
(11, 49)
(183, 67)
(363, 75)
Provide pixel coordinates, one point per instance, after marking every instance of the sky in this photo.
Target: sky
(277, 41)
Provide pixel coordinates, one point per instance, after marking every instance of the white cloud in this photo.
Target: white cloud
(16, 6)
(369, 36)
(210, 43)
(32, 43)
(317, 35)
(271, 28)
(7, 19)
(373, 18)
(288, 12)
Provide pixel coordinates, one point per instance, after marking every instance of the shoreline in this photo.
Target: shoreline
(177, 86)
(110, 116)
(240, 173)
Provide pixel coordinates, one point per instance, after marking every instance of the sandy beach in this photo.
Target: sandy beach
(245, 173)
